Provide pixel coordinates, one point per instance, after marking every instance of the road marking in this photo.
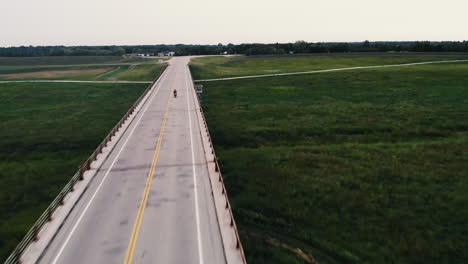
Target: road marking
(105, 176)
(330, 70)
(197, 214)
(129, 255)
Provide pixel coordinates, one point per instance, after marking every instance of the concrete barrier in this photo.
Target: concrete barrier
(232, 244)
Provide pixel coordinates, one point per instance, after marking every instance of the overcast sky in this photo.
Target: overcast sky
(130, 22)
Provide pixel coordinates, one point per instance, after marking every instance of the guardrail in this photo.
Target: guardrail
(69, 187)
(223, 187)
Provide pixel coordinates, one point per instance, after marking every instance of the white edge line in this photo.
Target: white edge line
(200, 250)
(215, 201)
(103, 179)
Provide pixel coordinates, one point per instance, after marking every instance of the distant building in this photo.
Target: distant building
(166, 54)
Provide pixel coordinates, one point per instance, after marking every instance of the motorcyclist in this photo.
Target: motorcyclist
(175, 93)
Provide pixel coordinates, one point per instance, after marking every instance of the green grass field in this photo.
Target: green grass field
(81, 68)
(66, 60)
(218, 66)
(47, 130)
(67, 73)
(142, 72)
(367, 166)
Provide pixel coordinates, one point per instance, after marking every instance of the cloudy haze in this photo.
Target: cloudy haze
(125, 22)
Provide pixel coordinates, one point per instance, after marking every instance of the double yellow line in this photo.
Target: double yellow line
(141, 210)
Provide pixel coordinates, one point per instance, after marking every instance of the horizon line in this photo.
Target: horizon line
(215, 44)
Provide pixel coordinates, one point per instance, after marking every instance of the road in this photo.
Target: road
(331, 70)
(151, 201)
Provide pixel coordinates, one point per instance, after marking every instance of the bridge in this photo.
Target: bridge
(151, 193)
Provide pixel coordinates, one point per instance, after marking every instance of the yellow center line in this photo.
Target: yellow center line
(144, 200)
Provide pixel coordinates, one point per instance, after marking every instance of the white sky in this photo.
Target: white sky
(131, 22)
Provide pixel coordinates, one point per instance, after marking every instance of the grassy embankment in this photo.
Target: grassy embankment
(80, 68)
(47, 131)
(367, 166)
(218, 66)
(142, 72)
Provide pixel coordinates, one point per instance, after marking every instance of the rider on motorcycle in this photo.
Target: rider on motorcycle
(175, 93)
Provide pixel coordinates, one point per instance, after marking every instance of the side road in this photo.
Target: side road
(250, 76)
(331, 70)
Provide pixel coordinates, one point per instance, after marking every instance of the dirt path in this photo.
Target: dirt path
(330, 70)
(108, 72)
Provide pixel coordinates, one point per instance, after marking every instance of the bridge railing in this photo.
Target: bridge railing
(32, 234)
(227, 205)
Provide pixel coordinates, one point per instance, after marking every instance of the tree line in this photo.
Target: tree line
(247, 49)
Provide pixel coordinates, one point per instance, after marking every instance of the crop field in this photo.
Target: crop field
(80, 68)
(219, 66)
(364, 166)
(142, 72)
(47, 130)
(66, 60)
(75, 74)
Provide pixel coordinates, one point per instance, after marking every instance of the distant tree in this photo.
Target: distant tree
(58, 51)
(300, 46)
(317, 48)
(422, 46)
(118, 51)
(339, 47)
(249, 49)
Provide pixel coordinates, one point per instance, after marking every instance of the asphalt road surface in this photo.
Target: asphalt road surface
(151, 200)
